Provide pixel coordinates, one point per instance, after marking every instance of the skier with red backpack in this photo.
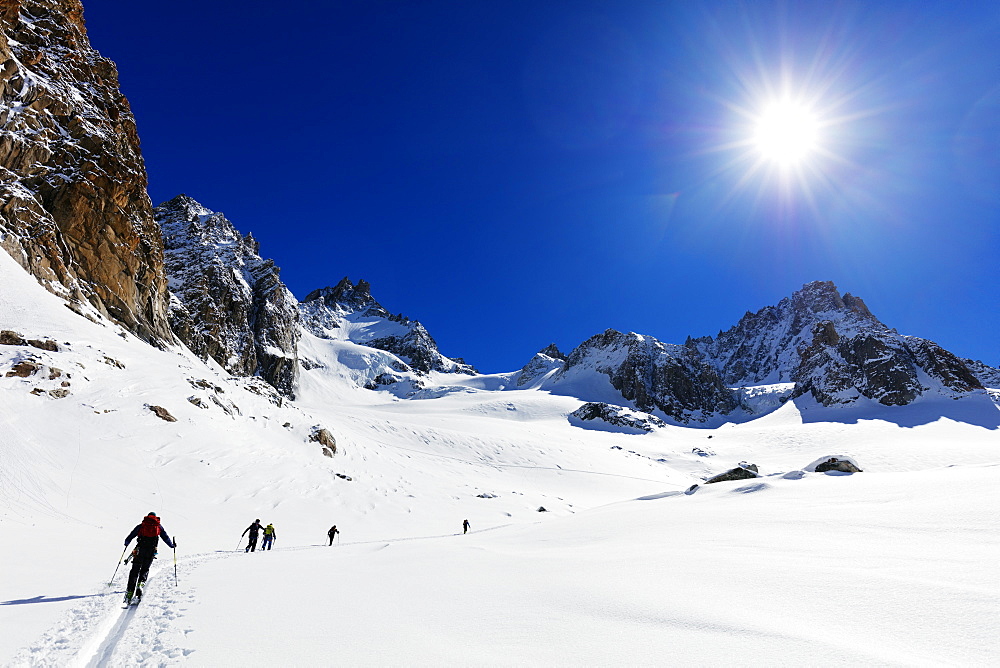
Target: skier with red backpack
(147, 534)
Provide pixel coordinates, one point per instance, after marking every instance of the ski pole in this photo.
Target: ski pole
(175, 561)
(118, 566)
(238, 543)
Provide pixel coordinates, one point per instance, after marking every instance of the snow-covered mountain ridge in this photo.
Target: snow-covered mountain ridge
(827, 346)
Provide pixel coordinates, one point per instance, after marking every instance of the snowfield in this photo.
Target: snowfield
(626, 565)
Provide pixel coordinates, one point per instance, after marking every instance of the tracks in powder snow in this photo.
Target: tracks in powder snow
(100, 633)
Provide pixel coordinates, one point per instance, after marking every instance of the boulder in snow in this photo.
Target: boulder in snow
(323, 436)
(9, 338)
(24, 369)
(606, 417)
(162, 413)
(742, 472)
(840, 465)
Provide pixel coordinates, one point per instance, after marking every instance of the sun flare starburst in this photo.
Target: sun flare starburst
(786, 132)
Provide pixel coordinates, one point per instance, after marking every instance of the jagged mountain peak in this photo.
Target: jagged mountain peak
(345, 294)
(184, 221)
(552, 351)
(185, 204)
(823, 296)
(347, 311)
(228, 302)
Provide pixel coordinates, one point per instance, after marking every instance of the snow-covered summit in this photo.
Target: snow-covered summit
(816, 342)
(347, 311)
(227, 302)
(832, 347)
(672, 380)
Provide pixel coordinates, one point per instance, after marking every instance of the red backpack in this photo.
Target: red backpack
(150, 527)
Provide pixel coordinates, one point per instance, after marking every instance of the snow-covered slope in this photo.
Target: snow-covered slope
(620, 566)
(348, 313)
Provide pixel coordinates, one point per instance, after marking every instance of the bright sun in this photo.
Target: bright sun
(786, 132)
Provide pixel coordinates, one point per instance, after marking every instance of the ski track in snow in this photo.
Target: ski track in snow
(98, 632)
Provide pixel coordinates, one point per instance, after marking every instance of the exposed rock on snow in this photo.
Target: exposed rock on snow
(742, 472)
(652, 375)
(9, 338)
(598, 415)
(834, 464)
(323, 436)
(162, 413)
(841, 463)
(24, 369)
(349, 312)
(228, 303)
(73, 205)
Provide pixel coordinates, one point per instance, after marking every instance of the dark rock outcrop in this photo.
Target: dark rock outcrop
(653, 375)
(618, 418)
(228, 303)
(987, 375)
(742, 472)
(73, 205)
(23, 369)
(839, 465)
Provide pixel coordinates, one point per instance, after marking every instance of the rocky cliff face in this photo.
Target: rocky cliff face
(73, 205)
(228, 303)
(985, 374)
(672, 379)
(349, 312)
(833, 348)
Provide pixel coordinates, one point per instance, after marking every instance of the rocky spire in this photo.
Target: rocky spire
(73, 205)
(347, 294)
(229, 303)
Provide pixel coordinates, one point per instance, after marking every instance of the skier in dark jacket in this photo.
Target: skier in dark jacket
(254, 529)
(147, 534)
(332, 533)
(465, 526)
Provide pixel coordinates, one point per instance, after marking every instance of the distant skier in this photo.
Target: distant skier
(465, 526)
(269, 535)
(332, 533)
(147, 534)
(254, 529)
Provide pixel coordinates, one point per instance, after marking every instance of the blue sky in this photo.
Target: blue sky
(519, 173)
